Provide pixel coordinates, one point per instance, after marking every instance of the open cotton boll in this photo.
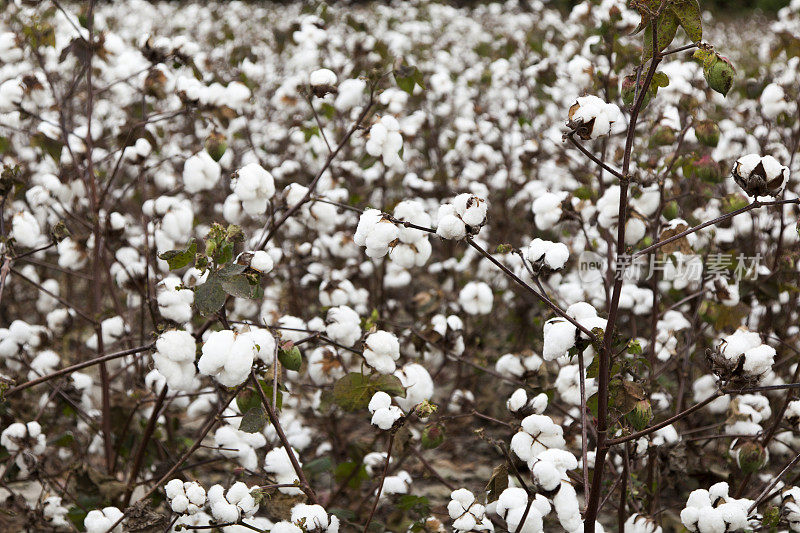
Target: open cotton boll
(254, 186)
(174, 359)
(312, 517)
(637, 523)
(414, 212)
(381, 350)
(25, 229)
(553, 255)
(449, 225)
(565, 504)
(476, 298)
(559, 338)
(101, 521)
(760, 176)
(228, 357)
(344, 325)
(385, 140)
(418, 384)
(511, 506)
(262, 262)
(351, 93)
(174, 302)
(322, 76)
(773, 101)
(591, 117)
(467, 513)
(239, 445)
(200, 173)
(471, 209)
(547, 209)
(278, 464)
(384, 414)
(11, 94)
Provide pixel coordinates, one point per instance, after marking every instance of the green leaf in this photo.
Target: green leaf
(47, 145)
(228, 271)
(180, 258)
(688, 14)
(319, 465)
(634, 348)
(354, 391)
(240, 286)
(254, 420)
(64, 440)
(210, 296)
(248, 399)
(667, 28)
(355, 472)
(417, 504)
(407, 76)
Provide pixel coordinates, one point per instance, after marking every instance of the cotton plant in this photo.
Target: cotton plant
(743, 356)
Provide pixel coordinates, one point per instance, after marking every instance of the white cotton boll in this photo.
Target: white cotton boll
(344, 325)
(101, 521)
(711, 521)
(366, 222)
(414, 212)
(565, 503)
(313, 517)
(471, 209)
(546, 475)
(385, 140)
(559, 338)
(214, 352)
(509, 365)
(200, 173)
(255, 187)
(476, 298)
(449, 225)
(418, 384)
(322, 76)
(593, 116)
(384, 415)
(547, 210)
(11, 94)
(379, 239)
(635, 230)
(759, 360)
(381, 350)
(285, 527)
(773, 101)
(351, 93)
(511, 507)
(517, 400)
(262, 262)
(25, 229)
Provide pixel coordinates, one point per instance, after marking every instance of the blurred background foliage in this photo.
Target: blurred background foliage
(718, 5)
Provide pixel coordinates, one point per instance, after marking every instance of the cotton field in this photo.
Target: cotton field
(407, 267)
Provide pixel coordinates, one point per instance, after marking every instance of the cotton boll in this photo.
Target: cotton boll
(322, 76)
(449, 225)
(174, 302)
(344, 325)
(101, 521)
(351, 93)
(476, 298)
(547, 210)
(384, 415)
(262, 262)
(381, 350)
(418, 384)
(200, 173)
(559, 338)
(25, 229)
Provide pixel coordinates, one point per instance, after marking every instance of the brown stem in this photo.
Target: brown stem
(282, 437)
(148, 433)
(76, 367)
(383, 478)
